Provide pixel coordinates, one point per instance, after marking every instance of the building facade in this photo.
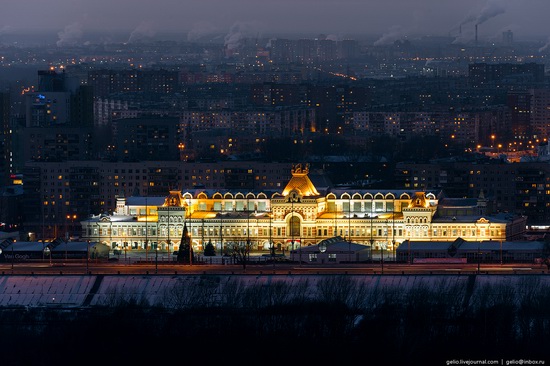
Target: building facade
(299, 215)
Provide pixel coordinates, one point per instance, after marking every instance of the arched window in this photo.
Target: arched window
(294, 226)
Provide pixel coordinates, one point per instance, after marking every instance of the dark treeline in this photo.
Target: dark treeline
(345, 322)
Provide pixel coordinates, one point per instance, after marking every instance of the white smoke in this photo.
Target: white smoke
(268, 44)
(238, 32)
(491, 9)
(333, 37)
(200, 30)
(464, 37)
(6, 30)
(543, 48)
(395, 32)
(70, 35)
(143, 31)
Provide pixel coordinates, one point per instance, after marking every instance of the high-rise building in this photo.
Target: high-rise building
(106, 82)
(519, 105)
(508, 37)
(490, 75)
(59, 100)
(540, 113)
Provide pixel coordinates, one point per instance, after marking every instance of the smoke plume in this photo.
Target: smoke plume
(543, 48)
(6, 30)
(70, 35)
(200, 30)
(396, 32)
(144, 31)
(491, 9)
(237, 33)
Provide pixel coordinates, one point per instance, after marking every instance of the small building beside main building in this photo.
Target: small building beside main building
(333, 250)
(12, 250)
(462, 251)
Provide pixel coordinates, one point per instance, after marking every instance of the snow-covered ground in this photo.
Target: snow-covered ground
(181, 290)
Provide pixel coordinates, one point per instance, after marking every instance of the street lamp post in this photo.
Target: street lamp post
(71, 228)
(292, 222)
(271, 247)
(147, 229)
(87, 254)
(202, 235)
(300, 250)
(349, 229)
(67, 218)
(371, 238)
(393, 228)
(382, 257)
(168, 241)
(382, 246)
(43, 233)
(221, 231)
(190, 233)
(247, 229)
(478, 257)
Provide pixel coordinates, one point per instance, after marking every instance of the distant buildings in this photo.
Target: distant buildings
(510, 187)
(120, 124)
(56, 192)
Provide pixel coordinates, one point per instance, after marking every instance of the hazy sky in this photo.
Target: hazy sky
(72, 20)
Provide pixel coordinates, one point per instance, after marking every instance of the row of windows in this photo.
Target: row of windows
(281, 231)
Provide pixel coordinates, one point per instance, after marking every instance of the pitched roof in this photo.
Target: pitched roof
(300, 182)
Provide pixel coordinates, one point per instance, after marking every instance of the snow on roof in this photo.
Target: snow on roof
(31, 246)
(424, 245)
(472, 218)
(145, 201)
(75, 246)
(506, 245)
(471, 245)
(340, 246)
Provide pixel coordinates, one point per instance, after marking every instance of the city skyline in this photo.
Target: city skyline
(77, 22)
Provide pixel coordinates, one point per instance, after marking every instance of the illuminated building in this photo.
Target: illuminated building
(299, 215)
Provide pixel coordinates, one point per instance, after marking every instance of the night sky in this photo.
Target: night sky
(73, 21)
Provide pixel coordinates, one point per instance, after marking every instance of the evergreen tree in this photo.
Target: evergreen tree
(185, 252)
(209, 249)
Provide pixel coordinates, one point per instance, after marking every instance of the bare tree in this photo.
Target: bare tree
(190, 293)
(240, 251)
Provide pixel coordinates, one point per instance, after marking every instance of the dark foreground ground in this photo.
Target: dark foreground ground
(425, 327)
